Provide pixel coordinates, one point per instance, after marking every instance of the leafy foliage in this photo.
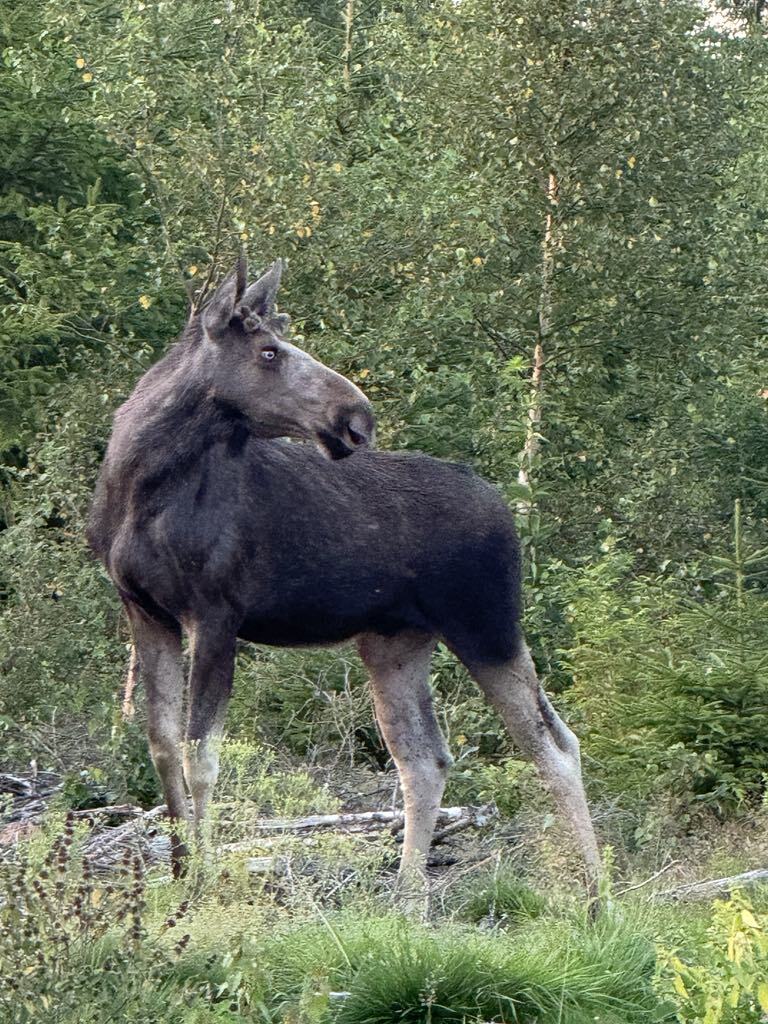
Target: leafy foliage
(673, 691)
(729, 984)
(455, 187)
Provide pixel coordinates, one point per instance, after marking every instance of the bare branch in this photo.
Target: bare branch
(641, 885)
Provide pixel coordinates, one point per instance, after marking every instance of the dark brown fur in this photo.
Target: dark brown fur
(210, 523)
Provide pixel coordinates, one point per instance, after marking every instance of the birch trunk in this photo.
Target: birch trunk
(549, 245)
(346, 55)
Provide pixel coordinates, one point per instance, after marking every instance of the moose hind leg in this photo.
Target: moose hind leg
(158, 652)
(399, 672)
(536, 728)
(210, 686)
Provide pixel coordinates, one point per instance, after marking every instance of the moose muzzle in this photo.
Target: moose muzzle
(353, 428)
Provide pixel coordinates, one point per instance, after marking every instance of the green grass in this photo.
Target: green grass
(240, 952)
(498, 897)
(391, 970)
(322, 948)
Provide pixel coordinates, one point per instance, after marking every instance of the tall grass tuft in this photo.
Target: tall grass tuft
(498, 897)
(386, 970)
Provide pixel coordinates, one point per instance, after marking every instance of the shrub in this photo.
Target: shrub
(61, 642)
(729, 983)
(672, 682)
(77, 950)
(249, 773)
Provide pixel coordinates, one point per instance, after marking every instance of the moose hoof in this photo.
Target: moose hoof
(411, 894)
(179, 858)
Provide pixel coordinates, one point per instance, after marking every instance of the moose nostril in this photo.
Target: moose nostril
(360, 428)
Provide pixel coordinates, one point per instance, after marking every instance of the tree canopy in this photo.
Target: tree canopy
(532, 232)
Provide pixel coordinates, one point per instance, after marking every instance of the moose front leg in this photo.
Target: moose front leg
(399, 671)
(158, 653)
(540, 733)
(210, 686)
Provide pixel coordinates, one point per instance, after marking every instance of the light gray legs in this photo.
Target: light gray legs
(183, 754)
(399, 670)
(539, 732)
(158, 650)
(210, 685)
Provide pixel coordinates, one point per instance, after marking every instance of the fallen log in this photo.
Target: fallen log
(106, 844)
(454, 818)
(111, 811)
(712, 887)
(355, 820)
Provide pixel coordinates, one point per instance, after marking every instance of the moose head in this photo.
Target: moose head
(247, 364)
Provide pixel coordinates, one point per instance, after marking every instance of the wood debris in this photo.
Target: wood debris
(25, 799)
(712, 887)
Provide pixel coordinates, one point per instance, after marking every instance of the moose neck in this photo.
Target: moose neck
(174, 412)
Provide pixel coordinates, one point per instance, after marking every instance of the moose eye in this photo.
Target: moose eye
(269, 352)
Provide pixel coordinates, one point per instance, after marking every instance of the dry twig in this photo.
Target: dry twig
(641, 885)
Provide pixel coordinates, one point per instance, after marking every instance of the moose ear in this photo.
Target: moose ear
(218, 312)
(261, 295)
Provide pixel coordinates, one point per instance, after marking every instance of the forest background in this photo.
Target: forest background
(535, 234)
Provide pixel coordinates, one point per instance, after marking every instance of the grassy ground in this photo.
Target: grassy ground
(320, 939)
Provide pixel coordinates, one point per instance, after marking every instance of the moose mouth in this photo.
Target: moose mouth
(353, 429)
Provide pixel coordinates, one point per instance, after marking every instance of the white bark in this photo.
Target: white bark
(712, 887)
(549, 246)
(346, 54)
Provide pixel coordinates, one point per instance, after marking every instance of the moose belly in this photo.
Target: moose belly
(315, 627)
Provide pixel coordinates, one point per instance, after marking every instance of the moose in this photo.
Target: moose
(213, 523)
